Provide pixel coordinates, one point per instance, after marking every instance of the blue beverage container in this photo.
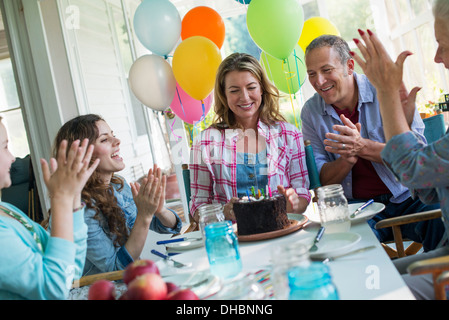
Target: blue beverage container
(313, 282)
(222, 249)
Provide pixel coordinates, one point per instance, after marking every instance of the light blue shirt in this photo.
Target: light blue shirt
(102, 254)
(318, 118)
(26, 272)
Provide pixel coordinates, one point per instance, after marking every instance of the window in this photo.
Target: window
(411, 28)
(11, 111)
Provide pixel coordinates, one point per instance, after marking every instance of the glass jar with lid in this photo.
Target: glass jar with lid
(333, 208)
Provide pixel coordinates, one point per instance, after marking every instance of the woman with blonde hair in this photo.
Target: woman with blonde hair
(249, 144)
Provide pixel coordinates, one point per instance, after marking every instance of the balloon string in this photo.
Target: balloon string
(290, 95)
(297, 69)
(203, 118)
(299, 79)
(268, 64)
(180, 102)
(171, 127)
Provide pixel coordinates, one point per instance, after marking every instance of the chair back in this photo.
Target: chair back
(23, 190)
(186, 179)
(314, 176)
(435, 128)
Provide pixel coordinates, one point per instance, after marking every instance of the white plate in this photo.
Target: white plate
(296, 216)
(186, 244)
(333, 244)
(367, 213)
(203, 283)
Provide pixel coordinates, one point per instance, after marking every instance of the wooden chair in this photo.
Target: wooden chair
(396, 224)
(439, 268)
(88, 280)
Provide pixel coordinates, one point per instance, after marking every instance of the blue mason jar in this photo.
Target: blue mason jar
(222, 249)
(313, 282)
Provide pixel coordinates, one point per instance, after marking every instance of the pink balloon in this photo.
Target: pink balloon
(187, 108)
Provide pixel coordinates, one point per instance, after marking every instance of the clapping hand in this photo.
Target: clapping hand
(149, 197)
(348, 142)
(386, 75)
(70, 171)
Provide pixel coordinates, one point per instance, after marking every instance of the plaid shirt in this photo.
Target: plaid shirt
(213, 163)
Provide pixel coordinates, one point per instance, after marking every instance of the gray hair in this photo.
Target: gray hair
(441, 9)
(336, 42)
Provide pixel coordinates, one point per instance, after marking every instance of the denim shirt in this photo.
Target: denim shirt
(252, 171)
(102, 254)
(318, 118)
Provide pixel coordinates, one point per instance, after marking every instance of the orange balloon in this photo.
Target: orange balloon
(203, 21)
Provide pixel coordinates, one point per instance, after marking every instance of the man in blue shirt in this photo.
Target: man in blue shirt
(343, 123)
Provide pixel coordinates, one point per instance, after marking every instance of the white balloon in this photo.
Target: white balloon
(152, 81)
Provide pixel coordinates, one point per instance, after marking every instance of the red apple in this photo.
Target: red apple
(102, 290)
(182, 294)
(138, 268)
(149, 286)
(171, 287)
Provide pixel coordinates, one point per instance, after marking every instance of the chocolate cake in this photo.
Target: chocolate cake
(259, 216)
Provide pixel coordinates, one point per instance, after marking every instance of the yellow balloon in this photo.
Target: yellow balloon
(195, 64)
(315, 27)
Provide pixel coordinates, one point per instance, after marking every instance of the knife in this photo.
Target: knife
(348, 253)
(363, 206)
(178, 240)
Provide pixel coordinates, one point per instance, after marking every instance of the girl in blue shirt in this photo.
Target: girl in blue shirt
(118, 215)
(36, 264)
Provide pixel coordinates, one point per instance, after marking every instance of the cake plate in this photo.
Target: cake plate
(297, 221)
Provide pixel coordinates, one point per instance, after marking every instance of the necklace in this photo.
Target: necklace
(26, 224)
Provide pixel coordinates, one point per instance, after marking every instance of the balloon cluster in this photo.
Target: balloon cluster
(277, 27)
(186, 85)
(279, 30)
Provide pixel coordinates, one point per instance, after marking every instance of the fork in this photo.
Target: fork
(176, 264)
(317, 238)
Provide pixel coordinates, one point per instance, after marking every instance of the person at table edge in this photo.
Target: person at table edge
(423, 168)
(343, 122)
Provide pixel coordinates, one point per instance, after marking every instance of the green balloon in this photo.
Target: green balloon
(275, 26)
(287, 75)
